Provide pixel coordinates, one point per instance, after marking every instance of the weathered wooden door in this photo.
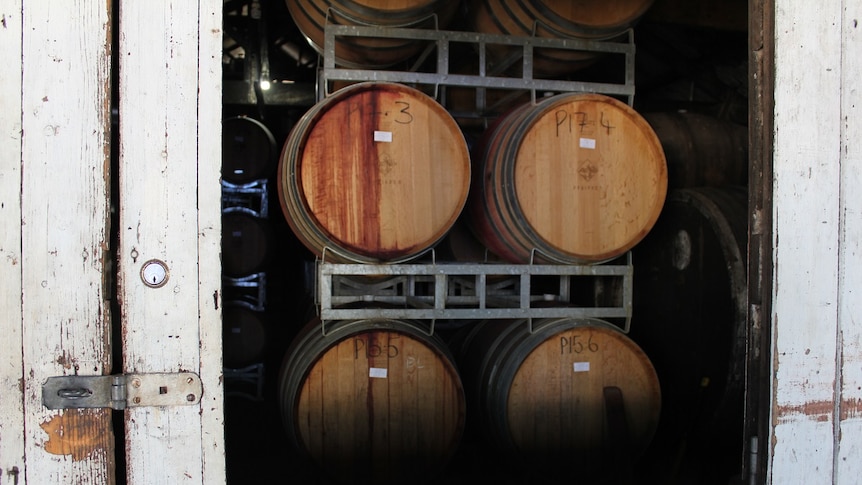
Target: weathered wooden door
(65, 239)
(815, 425)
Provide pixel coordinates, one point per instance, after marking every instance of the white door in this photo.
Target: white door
(56, 244)
(816, 402)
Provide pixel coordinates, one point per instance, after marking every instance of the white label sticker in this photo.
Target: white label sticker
(588, 143)
(581, 366)
(377, 372)
(384, 136)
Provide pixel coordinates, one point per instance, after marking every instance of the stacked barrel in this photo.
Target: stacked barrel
(380, 173)
(377, 172)
(249, 155)
(690, 298)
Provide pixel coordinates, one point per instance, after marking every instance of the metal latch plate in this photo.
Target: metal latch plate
(122, 391)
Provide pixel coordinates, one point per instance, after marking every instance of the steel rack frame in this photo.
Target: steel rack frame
(441, 40)
(465, 291)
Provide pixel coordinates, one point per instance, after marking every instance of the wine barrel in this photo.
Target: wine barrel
(556, 19)
(575, 178)
(461, 245)
(244, 335)
(372, 401)
(689, 316)
(249, 151)
(247, 242)
(701, 150)
(377, 172)
(312, 16)
(548, 398)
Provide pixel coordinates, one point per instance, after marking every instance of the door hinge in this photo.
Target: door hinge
(122, 390)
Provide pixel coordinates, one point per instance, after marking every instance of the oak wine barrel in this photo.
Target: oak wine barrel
(701, 150)
(579, 178)
(372, 401)
(249, 151)
(312, 16)
(549, 399)
(247, 242)
(556, 19)
(376, 172)
(244, 336)
(461, 245)
(689, 315)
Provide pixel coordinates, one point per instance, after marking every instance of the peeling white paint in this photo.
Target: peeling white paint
(817, 374)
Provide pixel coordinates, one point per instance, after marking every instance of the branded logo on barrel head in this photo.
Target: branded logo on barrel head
(386, 164)
(587, 170)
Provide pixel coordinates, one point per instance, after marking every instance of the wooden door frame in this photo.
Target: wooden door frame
(761, 35)
(805, 384)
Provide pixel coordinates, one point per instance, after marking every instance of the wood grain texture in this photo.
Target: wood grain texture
(64, 241)
(376, 172)
(539, 397)
(581, 19)
(556, 402)
(244, 336)
(850, 256)
(580, 177)
(11, 345)
(373, 401)
(689, 316)
(55, 162)
(209, 292)
(247, 243)
(248, 150)
(312, 16)
(809, 186)
(170, 210)
(701, 150)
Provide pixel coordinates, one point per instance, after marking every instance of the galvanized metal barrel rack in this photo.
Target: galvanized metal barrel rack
(574, 303)
(467, 291)
(451, 292)
(494, 74)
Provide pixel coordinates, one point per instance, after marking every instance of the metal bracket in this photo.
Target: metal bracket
(122, 391)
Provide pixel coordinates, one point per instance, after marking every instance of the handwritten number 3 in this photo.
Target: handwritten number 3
(405, 111)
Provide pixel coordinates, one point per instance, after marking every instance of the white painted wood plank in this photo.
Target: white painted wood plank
(11, 355)
(64, 231)
(806, 229)
(848, 464)
(165, 215)
(209, 238)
